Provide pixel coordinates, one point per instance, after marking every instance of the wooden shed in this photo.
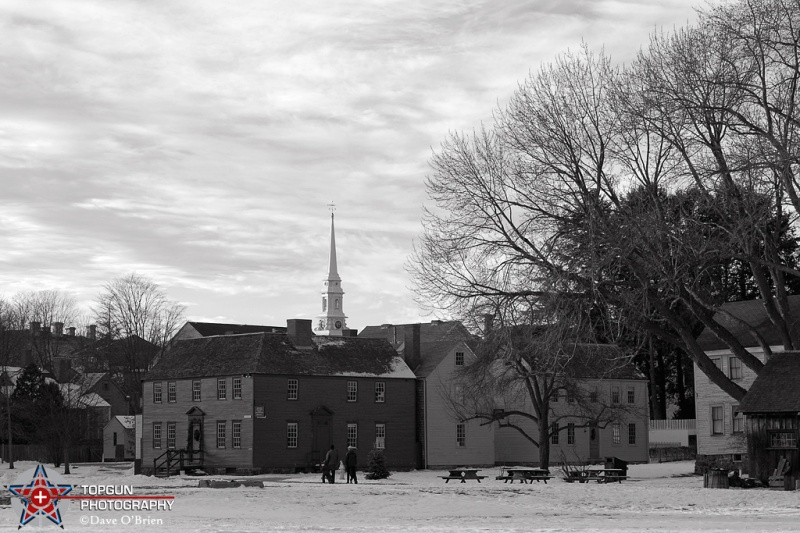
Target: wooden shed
(771, 407)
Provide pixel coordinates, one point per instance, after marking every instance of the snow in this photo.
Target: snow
(657, 497)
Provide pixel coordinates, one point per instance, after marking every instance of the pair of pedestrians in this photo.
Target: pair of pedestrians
(332, 463)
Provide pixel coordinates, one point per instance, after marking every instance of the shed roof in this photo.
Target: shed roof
(753, 313)
(776, 388)
(275, 353)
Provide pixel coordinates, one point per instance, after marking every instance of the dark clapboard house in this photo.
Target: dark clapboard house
(771, 407)
(276, 401)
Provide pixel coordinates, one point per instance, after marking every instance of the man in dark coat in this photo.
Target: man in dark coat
(350, 461)
(331, 464)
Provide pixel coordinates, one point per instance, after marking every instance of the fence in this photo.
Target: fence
(38, 453)
(665, 425)
(665, 455)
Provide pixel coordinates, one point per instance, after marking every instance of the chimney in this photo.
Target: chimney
(62, 367)
(488, 322)
(58, 328)
(93, 332)
(71, 331)
(35, 327)
(28, 357)
(299, 331)
(411, 352)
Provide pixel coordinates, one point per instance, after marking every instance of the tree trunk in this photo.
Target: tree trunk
(66, 459)
(544, 438)
(680, 386)
(653, 379)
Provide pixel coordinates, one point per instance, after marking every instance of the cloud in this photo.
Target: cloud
(199, 142)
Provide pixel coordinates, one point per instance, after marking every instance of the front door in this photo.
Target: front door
(594, 443)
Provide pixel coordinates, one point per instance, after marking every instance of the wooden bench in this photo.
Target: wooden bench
(524, 475)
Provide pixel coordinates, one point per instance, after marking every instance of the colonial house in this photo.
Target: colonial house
(611, 420)
(720, 420)
(258, 402)
(435, 352)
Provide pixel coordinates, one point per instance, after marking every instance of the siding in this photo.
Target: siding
(396, 412)
(227, 410)
(708, 395)
(514, 448)
(440, 431)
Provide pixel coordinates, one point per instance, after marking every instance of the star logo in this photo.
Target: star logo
(39, 497)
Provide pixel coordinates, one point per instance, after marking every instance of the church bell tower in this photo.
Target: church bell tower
(332, 319)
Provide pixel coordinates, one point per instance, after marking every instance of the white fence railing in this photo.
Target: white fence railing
(661, 425)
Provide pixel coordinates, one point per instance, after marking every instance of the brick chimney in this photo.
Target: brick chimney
(93, 332)
(488, 323)
(35, 327)
(299, 330)
(411, 352)
(58, 328)
(71, 331)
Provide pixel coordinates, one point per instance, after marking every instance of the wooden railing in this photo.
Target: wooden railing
(173, 461)
(686, 423)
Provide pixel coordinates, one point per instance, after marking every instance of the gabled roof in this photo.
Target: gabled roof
(432, 354)
(435, 331)
(128, 422)
(275, 353)
(209, 329)
(753, 313)
(776, 388)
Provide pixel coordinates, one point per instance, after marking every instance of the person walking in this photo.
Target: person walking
(350, 462)
(331, 464)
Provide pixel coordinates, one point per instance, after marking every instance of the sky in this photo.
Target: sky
(198, 143)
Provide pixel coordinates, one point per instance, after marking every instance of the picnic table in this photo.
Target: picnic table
(599, 474)
(524, 474)
(463, 474)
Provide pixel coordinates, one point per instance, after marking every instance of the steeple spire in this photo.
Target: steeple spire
(332, 270)
(332, 319)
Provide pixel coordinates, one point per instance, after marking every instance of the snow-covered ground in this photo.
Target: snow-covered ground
(657, 497)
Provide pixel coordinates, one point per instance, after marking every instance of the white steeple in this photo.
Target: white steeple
(332, 319)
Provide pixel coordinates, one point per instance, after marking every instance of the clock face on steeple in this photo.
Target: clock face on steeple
(338, 324)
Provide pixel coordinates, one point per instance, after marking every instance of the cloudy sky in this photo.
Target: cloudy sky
(199, 142)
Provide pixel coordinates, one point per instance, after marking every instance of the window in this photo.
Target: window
(171, 435)
(115, 438)
(222, 393)
(631, 433)
(614, 394)
(352, 391)
(156, 434)
(221, 426)
(156, 392)
(196, 390)
(554, 433)
(237, 388)
(291, 435)
(570, 396)
(556, 394)
(336, 303)
(172, 394)
(615, 433)
(570, 433)
(734, 368)
(324, 304)
(737, 420)
(593, 396)
(461, 435)
(236, 433)
(631, 395)
(459, 358)
(716, 420)
(717, 362)
(782, 439)
(352, 435)
(380, 436)
(291, 393)
(380, 391)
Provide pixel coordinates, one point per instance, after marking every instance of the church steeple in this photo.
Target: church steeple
(332, 319)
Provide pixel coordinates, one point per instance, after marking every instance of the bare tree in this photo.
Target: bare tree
(131, 309)
(49, 310)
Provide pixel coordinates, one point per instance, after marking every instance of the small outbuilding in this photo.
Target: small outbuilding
(119, 439)
(771, 408)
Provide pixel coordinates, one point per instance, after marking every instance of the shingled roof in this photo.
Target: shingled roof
(776, 388)
(435, 331)
(208, 329)
(275, 353)
(753, 313)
